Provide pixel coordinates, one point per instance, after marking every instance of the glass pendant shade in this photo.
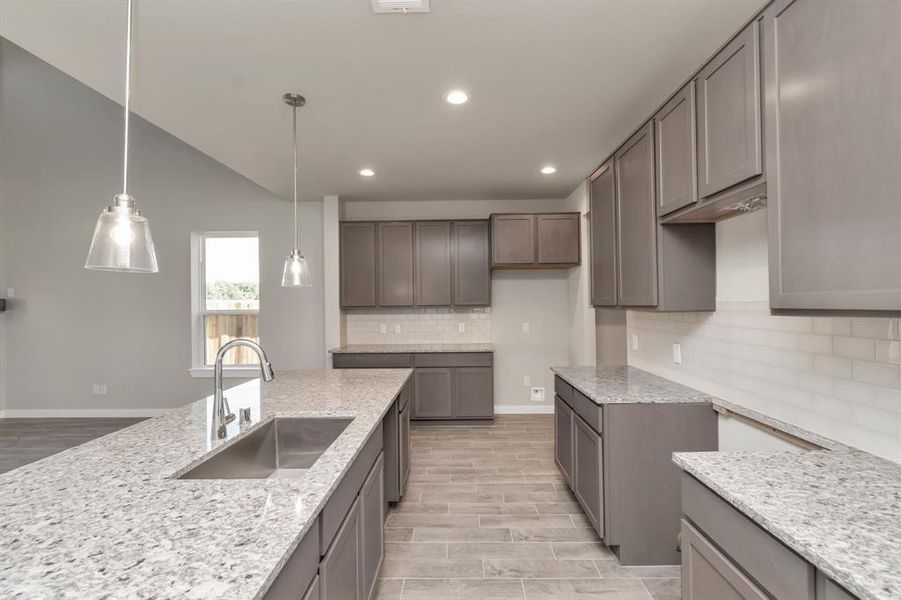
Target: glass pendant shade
(297, 271)
(122, 240)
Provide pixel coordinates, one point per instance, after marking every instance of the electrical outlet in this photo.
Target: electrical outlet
(526, 380)
(526, 327)
(635, 342)
(383, 328)
(461, 327)
(397, 328)
(537, 394)
(95, 389)
(677, 354)
(10, 292)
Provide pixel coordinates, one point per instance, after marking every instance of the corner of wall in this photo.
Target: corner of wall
(331, 214)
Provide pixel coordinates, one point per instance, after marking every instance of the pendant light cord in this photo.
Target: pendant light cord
(127, 100)
(296, 246)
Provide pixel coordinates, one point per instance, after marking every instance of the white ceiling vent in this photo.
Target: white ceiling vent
(400, 6)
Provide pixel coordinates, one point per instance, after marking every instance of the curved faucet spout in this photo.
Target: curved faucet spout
(222, 414)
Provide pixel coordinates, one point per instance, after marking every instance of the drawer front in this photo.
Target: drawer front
(453, 359)
(707, 573)
(300, 569)
(781, 572)
(564, 390)
(372, 361)
(344, 495)
(588, 410)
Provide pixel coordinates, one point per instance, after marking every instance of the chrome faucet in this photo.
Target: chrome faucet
(222, 414)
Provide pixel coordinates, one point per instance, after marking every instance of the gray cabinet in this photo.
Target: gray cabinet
(358, 266)
(432, 253)
(637, 221)
(396, 428)
(405, 445)
(471, 263)
(395, 241)
(602, 216)
(558, 238)
(729, 130)
(588, 479)
(676, 152)
(372, 523)
(299, 570)
(833, 140)
(829, 590)
(314, 591)
(512, 240)
(433, 396)
(340, 568)
(708, 575)
(473, 393)
(563, 438)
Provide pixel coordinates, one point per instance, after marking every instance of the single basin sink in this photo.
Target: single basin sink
(280, 449)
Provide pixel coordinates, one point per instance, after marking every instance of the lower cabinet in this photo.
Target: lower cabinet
(339, 571)
(588, 465)
(396, 430)
(473, 393)
(563, 438)
(405, 445)
(433, 393)
(372, 513)
(313, 592)
(708, 574)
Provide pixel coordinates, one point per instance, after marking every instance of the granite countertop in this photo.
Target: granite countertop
(840, 509)
(410, 348)
(628, 385)
(107, 520)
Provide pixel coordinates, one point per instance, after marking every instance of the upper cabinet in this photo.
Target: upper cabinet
(528, 241)
(833, 145)
(357, 264)
(676, 152)
(414, 263)
(602, 232)
(729, 130)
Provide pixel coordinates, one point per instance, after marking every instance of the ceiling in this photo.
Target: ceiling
(557, 82)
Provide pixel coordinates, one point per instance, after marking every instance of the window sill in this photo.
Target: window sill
(227, 372)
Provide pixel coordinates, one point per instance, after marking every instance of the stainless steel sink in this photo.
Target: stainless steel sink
(281, 449)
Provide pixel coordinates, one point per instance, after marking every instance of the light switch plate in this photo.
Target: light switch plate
(677, 354)
(383, 328)
(461, 327)
(397, 328)
(526, 327)
(10, 292)
(635, 342)
(526, 380)
(537, 394)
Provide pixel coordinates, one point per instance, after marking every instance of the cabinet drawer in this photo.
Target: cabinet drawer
(588, 410)
(453, 359)
(372, 361)
(299, 570)
(563, 389)
(781, 572)
(344, 495)
(707, 573)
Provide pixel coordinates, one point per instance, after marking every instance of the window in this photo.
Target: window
(226, 282)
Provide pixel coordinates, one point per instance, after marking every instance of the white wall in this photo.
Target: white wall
(836, 376)
(67, 328)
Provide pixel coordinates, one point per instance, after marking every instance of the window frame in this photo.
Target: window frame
(199, 368)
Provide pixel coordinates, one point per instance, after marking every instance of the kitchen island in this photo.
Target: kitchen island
(111, 519)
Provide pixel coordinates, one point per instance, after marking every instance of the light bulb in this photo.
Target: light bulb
(122, 234)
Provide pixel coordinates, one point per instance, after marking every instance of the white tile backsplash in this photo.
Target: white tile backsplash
(837, 376)
(418, 326)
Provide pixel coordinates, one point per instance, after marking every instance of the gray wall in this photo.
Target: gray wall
(60, 161)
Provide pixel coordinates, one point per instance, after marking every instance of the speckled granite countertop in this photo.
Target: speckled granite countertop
(628, 385)
(107, 520)
(409, 348)
(840, 509)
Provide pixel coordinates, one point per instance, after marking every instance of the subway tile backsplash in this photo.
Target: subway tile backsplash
(837, 376)
(417, 326)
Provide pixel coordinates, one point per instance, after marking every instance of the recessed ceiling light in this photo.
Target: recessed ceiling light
(457, 97)
(367, 172)
(548, 170)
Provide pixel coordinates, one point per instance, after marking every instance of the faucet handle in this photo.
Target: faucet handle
(229, 415)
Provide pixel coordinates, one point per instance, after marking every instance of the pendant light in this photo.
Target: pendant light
(297, 270)
(122, 240)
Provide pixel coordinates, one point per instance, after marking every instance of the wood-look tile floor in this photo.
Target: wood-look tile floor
(487, 516)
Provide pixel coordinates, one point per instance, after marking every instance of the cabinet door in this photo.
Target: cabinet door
(563, 439)
(405, 447)
(558, 238)
(729, 148)
(339, 571)
(676, 145)
(473, 392)
(833, 146)
(392, 451)
(588, 479)
(433, 263)
(313, 592)
(829, 590)
(433, 396)
(472, 263)
(395, 264)
(372, 514)
(708, 575)
(635, 209)
(357, 264)
(602, 216)
(512, 240)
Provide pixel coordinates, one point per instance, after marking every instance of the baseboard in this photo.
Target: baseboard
(57, 413)
(524, 409)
